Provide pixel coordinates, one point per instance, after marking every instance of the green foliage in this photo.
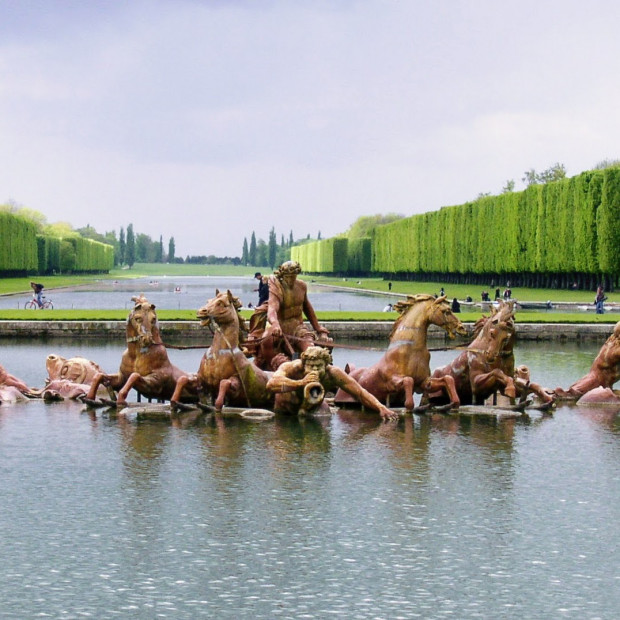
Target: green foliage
(18, 243)
(363, 225)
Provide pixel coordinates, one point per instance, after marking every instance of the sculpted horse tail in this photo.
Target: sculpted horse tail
(404, 368)
(225, 374)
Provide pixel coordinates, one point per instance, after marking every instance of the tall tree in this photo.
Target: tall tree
(245, 254)
(290, 239)
(159, 251)
(130, 247)
(122, 247)
(273, 247)
(252, 254)
(171, 250)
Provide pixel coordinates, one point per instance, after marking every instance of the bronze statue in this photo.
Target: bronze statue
(404, 368)
(487, 365)
(75, 369)
(145, 365)
(13, 389)
(286, 333)
(225, 374)
(604, 372)
(300, 385)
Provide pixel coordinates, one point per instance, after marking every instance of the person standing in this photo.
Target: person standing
(599, 300)
(263, 288)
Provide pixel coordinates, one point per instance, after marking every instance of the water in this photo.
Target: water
(341, 517)
(194, 292)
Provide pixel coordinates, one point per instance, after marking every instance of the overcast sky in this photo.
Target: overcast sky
(207, 120)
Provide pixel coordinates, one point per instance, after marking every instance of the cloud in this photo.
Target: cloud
(207, 121)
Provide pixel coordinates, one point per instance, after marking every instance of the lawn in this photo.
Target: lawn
(461, 291)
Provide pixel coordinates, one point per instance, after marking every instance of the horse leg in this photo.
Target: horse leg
(221, 395)
(121, 399)
(175, 399)
(445, 384)
(487, 383)
(407, 384)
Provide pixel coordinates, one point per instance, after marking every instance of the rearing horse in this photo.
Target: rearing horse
(487, 365)
(404, 368)
(145, 365)
(225, 374)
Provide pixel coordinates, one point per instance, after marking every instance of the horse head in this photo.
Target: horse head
(418, 311)
(440, 314)
(223, 310)
(496, 336)
(142, 325)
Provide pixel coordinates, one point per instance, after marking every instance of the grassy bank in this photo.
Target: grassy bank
(461, 291)
(190, 315)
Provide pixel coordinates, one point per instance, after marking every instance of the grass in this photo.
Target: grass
(461, 291)
(190, 315)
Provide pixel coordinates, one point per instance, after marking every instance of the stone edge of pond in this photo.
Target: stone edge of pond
(351, 330)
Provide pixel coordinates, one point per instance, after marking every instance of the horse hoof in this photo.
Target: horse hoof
(206, 408)
(177, 406)
(93, 404)
(421, 408)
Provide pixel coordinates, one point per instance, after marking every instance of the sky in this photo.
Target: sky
(209, 120)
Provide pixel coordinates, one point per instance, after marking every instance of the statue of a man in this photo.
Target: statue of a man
(300, 385)
(288, 303)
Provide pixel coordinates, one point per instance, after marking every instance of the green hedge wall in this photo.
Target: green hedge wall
(18, 244)
(23, 251)
(325, 256)
(567, 226)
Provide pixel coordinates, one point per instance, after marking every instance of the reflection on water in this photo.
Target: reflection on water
(339, 516)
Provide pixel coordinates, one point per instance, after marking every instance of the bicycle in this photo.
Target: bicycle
(33, 304)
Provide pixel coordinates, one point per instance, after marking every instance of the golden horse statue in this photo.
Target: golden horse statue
(225, 373)
(144, 365)
(404, 368)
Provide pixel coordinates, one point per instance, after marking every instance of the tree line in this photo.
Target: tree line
(560, 233)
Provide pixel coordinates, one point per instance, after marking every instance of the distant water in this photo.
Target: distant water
(337, 517)
(193, 292)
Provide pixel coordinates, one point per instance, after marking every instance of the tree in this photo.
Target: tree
(363, 225)
(122, 247)
(290, 239)
(130, 248)
(509, 186)
(553, 173)
(159, 251)
(252, 255)
(318, 237)
(262, 254)
(67, 257)
(245, 254)
(171, 250)
(273, 248)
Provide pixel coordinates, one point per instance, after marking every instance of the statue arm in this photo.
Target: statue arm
(280, 381)
(311, 316)
(273, 309)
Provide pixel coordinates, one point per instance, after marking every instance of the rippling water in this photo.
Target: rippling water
(340, 517)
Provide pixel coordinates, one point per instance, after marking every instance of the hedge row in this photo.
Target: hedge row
(548, 235)
(23, 251)
(325, 256)
(568, 226)
(18, 244)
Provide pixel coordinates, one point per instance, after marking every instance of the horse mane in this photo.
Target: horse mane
(404, 306)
